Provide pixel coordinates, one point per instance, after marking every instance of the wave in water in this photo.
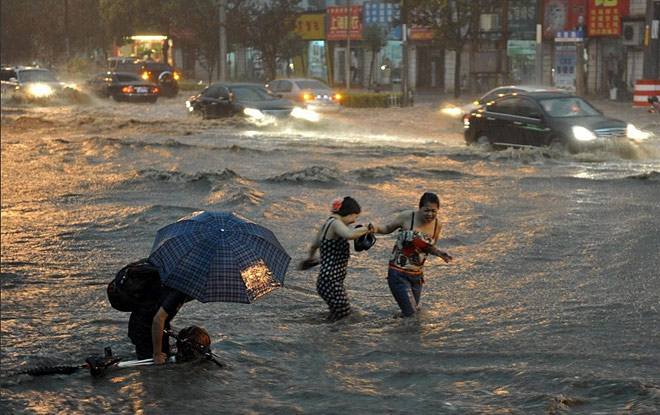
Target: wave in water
(174, 176)
(316, 174)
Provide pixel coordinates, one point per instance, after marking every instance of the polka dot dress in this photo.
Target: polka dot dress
(330, 283)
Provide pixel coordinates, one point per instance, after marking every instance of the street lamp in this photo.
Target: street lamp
(347, 66)
(222, 69)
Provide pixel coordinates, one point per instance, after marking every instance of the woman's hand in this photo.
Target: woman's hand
(159, 358)
(445, 256)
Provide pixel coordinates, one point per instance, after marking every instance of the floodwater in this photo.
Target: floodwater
(552, 305)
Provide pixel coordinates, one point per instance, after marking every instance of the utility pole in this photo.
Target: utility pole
(651, 69)
(347, 66)
(538, 61)
(404, 55)
(504, 58)
(66, 34)
(222, 68)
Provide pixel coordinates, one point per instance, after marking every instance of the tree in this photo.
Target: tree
(374, 39)
(199, 32)
(262, 25)
(452, 22)
(290, 47)
(35, 30)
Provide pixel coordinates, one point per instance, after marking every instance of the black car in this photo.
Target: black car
(226, 100)
(123, 86)
(163, 75)
(552, 119)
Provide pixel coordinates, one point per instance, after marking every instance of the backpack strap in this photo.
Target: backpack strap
(412, 221)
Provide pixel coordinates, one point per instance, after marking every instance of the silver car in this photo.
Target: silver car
(311, 93)
(499, 92)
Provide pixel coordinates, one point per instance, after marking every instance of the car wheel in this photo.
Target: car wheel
(556, 146)
(483, 141)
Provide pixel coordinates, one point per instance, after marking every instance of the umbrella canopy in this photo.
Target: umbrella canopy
(219, 256)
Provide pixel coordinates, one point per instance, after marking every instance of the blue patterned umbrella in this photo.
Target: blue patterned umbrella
(219, 256)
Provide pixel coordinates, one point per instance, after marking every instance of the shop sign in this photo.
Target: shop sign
(520, 47)
(311, 26)
(565, 61)
(561, 15)
(420, 33)
(605, 17)
(383, 15)
(338, 23)
(522, 19)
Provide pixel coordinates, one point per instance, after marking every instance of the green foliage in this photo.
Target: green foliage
(79, 66)
(369, 100)
(263, 25)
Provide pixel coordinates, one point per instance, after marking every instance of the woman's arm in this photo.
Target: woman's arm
(391, 226)
(438, 252)
(316, 243)
(342, 231)
(157, 327)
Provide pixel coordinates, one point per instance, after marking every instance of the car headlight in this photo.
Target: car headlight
(635, 133)
(254, 113)
(304, 114)
(582, 134)
(40, 90)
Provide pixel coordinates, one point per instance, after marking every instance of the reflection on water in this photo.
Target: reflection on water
(550, 305)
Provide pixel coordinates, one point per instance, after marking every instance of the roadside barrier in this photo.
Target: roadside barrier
(645, 88)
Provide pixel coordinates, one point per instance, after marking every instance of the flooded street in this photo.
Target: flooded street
(552, 304)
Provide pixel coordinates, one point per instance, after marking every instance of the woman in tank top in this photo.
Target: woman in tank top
(332, 241)
(418, 234)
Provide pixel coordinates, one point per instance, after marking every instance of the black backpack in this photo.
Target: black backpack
(136, 285)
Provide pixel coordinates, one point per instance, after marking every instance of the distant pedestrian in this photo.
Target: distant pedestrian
(332, 241)
(418, 233)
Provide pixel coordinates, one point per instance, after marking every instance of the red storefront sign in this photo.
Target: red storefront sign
(420, 33)
(337, 23)
(605, 17)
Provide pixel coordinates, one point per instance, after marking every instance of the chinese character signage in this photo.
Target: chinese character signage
(311, 26)
(383, 15)
(522, 19)
(605, 17)
(565, 59)
(337, 23)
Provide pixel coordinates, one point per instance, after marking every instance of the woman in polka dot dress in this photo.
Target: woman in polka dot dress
(332, 240)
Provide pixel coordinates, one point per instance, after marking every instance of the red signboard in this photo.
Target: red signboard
(337, 25)
(605, 17)
(420, 33)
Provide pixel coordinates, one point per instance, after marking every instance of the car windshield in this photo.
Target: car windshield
(37, 76)
(157, 66)
(311, 84)
(568, 107)
(252, 93)
(128, 78)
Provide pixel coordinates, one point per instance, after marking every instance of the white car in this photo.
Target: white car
(492, 95)
(311, 93)
(30, 83)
